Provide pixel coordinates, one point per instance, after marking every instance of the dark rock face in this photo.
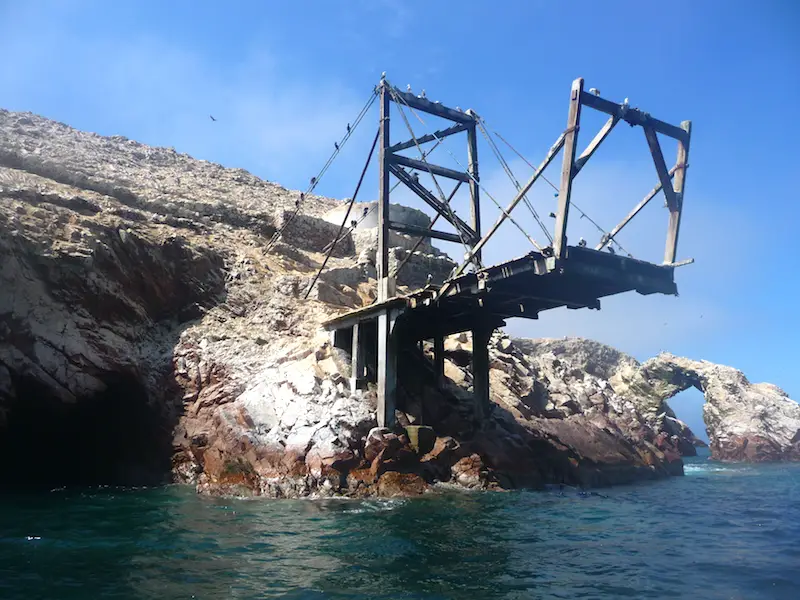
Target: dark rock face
(148, 330)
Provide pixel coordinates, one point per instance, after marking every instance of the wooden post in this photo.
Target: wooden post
(480, 368)
(387, 369)
(438, 357)
(474, 188)
(357, 357)
(678, 185)
(384, 156)
(568, 165)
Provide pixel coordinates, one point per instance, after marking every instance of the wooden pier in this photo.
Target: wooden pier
(477, 298)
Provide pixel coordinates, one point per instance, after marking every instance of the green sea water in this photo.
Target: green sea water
(722, 531)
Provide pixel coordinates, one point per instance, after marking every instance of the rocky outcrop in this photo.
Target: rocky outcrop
(754, 422)
(149, 331)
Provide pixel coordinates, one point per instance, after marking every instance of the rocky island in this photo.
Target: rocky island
(149, 332)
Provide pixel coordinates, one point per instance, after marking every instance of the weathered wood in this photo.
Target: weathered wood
(480, 368)
(357, 358)
(383, 197)
(650, 195)
(551, 154)
(426, 167)
(387, 369)
(632, 116)
(438, 358)
(474, 187)
(422, 238)
(594, 144)
(430, 137)
(661, 166)
(567, 168)
(422, 231)
(680, 185)
(432, 108)
(440, 207)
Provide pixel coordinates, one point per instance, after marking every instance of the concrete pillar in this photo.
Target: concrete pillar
(387, 369)
(480, 368)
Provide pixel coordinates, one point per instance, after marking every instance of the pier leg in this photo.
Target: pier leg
(438, 358)
(387, 369)
(480, 368)
(357, 372)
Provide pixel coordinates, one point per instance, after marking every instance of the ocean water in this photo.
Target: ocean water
(722, 531)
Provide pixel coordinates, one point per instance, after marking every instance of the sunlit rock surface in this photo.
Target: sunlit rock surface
(149, 332)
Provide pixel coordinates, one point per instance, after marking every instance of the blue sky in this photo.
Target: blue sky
(283, 78)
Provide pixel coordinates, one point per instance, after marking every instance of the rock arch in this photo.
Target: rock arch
(746, 421)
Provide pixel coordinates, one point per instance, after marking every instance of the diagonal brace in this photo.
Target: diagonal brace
(441, 208)
(661, 167)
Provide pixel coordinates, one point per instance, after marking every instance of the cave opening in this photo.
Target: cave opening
(687, 406)
(115, 438)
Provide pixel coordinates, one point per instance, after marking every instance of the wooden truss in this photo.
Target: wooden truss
(393, 163)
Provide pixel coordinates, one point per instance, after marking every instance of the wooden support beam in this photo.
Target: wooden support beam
(551, 154)
(594, 144)
(423, 238)
(432, 108)
(387, 369)
(661, 167)
(632, 115)
(426, 167)
(474, 187)
(650, 195)
(480, 368)
(438, 357)
(438, 135)
(422, 231)
(383, 198)
(357, 358)
(567, 168)
(680, 185)
(440, 207)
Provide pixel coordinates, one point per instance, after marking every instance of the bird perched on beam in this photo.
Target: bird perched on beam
(582, 243)
(428, 279)
(594, 91)
(408, 88)
(611, 250)
(422, 95)
(212, 118)
(336, 145)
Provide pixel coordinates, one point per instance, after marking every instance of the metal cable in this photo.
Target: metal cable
(346, 214)
(315, 180)
(514, 180)
(572, 203)
(478, 183)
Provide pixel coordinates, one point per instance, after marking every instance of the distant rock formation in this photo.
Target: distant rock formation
(147, 333)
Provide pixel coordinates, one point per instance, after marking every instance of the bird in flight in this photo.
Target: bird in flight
(212, 117)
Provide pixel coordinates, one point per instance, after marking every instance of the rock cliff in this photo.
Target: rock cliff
(148, 333)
